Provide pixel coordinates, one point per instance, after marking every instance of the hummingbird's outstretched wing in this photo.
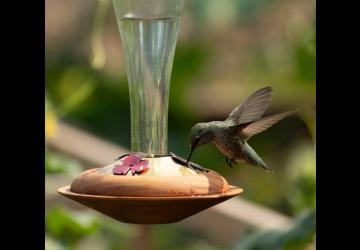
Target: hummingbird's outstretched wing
(252, 108)
(248, 130)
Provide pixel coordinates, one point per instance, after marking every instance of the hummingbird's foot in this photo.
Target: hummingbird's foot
(227, 161)
(230, 162)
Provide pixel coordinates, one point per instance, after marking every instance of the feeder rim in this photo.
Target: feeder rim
(233, 190)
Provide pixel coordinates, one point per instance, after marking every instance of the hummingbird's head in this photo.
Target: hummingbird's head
(200, 134)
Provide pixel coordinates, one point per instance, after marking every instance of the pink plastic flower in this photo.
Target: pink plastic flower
(134, 162)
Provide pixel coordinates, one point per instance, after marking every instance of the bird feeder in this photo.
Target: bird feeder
(149, 185)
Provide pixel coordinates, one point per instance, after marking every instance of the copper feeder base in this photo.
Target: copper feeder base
(168, 192)
(150, 210)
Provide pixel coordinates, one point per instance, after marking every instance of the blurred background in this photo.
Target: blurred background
(226, 50)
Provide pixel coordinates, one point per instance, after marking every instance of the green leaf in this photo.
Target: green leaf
(58, 163)
(77, 97)
(296, 237)
(68, 225)
(52, 244)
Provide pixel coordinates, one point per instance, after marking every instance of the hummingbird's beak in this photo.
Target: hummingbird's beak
(193, 146)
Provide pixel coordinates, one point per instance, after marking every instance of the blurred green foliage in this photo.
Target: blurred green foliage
(226, 50)
(69, 225)
(297, 237)
(56, 163)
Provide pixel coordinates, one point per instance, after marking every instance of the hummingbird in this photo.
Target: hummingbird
(231, 136)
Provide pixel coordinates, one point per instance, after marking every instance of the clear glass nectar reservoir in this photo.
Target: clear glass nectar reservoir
(149, 30)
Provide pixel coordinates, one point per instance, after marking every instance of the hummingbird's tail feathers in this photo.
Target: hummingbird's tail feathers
(252, 108)
(258, 162)
(267, 169)
(251, 157)
(251, 129)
